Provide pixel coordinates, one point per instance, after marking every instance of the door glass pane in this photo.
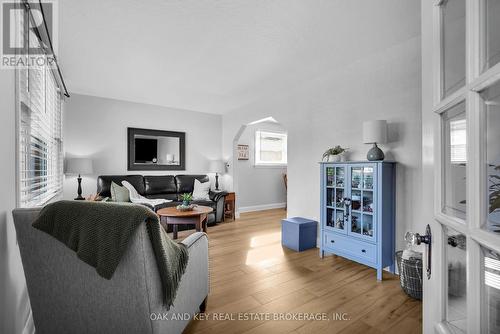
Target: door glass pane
(491, 98)
(339, 219)
(367, 201)
(456, 314)
(339, 198)
(330, 197)
(356, 200)
(491, 292)
(455, 161)
(367, 225)
(330, 176)
(340, 172)
(330, 217)
(368, 178)
(492, 33)
(356, 177)
(356, 223)
(453, 45)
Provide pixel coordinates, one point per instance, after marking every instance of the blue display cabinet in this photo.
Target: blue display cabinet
(358, 212)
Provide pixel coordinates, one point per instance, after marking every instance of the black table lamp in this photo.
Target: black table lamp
(217, 167)
(79, 166)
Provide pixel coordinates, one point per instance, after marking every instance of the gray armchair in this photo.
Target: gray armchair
(68, 296)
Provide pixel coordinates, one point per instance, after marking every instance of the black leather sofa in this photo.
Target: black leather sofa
(168, 187)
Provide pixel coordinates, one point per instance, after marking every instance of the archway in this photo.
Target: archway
(257, 187)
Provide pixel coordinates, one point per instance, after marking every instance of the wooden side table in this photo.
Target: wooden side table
(230, 205)
(197, 217)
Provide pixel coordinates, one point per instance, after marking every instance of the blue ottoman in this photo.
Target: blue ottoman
(298, 233)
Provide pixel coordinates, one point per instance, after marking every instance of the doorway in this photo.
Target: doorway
(259, 166)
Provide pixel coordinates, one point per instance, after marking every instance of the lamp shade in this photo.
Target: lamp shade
(79, 166)
(216, 166)
(375, 132)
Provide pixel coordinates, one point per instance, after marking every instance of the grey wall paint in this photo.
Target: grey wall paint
(97, 127)
(259, 185)
(330, 109)
(15, 314)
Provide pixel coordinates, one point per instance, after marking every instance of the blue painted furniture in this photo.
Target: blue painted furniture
(358, 211)
(299, 233)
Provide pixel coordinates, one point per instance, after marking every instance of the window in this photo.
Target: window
(458, 141)
(39, 131)
(270, 148)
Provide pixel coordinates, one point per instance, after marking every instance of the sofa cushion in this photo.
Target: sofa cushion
(172, 197)
(119, 193)
(104, 183)
(207, 202)
(185, 183)
(201, 190)
(160, 184)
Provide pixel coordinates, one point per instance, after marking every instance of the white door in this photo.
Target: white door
(461, 165)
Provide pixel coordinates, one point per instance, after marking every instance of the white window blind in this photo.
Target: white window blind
(458, 141)
(40, 164)
(270, 148)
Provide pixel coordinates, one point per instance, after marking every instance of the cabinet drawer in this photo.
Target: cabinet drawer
(351, 246)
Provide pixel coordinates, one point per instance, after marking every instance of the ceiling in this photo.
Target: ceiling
(218, 55)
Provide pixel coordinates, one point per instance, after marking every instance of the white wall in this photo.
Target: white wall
(258, 186)
(15, 312)
(329, 110)
(97, 127)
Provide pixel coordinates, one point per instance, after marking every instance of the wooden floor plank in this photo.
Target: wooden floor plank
(251, 273)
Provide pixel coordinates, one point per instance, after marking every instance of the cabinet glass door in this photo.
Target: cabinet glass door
(362, 201)
(335, 194)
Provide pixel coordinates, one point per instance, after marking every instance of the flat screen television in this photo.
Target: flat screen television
(145, 150)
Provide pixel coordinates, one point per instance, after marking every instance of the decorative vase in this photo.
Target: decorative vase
(334, 158)
(185, 203)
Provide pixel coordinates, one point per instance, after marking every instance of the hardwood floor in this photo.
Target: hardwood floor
(253, 276)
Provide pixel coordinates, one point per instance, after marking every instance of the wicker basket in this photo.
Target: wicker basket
(410, 275)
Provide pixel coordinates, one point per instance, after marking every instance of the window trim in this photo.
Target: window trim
(58, 83)
(260, 164)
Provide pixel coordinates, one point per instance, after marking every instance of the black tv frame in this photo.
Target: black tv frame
(132, 166)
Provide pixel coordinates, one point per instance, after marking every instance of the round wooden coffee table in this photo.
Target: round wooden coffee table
(174, 217)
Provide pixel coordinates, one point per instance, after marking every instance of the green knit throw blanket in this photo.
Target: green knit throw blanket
(99, 233)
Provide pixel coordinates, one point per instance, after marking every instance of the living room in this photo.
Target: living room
(255, 166)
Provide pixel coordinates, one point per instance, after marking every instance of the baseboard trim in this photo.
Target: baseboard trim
(261, 207)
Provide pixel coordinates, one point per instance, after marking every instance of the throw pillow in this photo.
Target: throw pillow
(201, 190)
(119, 194)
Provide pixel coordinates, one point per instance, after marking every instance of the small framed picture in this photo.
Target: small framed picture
(243, 153)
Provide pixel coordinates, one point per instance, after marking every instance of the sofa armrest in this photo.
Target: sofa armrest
(194, 238)
(198, 273)
(216, 195)
(193, 288)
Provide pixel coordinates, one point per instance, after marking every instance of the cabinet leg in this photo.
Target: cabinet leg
(379, 274)
(321, 253)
